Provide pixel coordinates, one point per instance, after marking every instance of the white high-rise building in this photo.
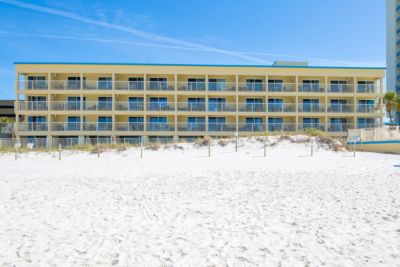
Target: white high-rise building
(393, 45)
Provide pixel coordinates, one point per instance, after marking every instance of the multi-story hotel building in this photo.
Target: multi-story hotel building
(393, 44)
(123, 102)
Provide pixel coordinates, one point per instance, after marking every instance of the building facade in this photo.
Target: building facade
(125, 102)
(393, 44)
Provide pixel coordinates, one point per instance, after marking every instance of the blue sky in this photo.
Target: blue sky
(323, 32)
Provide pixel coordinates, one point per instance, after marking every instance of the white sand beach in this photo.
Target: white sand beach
(178, 207)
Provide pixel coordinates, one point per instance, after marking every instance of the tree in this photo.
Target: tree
(392, 104)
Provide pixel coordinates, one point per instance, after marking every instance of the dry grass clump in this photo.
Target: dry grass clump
(223, 143)
(153, 147)
(201, 142)
(332, 143)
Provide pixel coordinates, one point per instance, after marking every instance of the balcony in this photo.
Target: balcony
(129, 106)
(195, 107)
(32, 126)
(192, 86)
(221, 107)
(221, 127)
(341, 88)
(369, 88)
(281, 87)
(97, 85)
(252, 127)
(97, 126)
(311, 88)
(65, 126)
(341, 108)
(160, 127)
(281, 127)
(129, 85)
(129, 126)
(311, 107)
(339, 127)
(252, 87)
(33, 85)
(252, 107)
(366, 108)
(159, 86)
(281, 107)
(191, 127)
(66, 105)
(65, 85)
(306, 126)
(33, 105)
(98, 106)
(160, 106)
(221, 86)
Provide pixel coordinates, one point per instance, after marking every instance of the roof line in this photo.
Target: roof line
(196, 65)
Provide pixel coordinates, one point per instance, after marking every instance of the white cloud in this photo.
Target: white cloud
(131, 30)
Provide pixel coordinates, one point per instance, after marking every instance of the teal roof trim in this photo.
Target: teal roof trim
(196, 65)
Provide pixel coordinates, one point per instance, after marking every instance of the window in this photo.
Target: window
(216, 104)
(74, 123)
(216, 84)
(158, 103)
(196, 104)
(311, 105)
(216, 123)
(365, 123)
(74, 83)
(37, 102)
(339, 105)
(196, 123)
(135, 83)
(37, 82)
(159, 124)
(196, 84)
(37, 123)
(365, 87)
(366, 106)
(275, 85)
(105, 103)
(311, 123)
(254, 125)
(135, 123)
(158, 84)
(311, 86)
(338, 86)
(275, 105)
(104, 83)
(275, 124)
(338, 125)
(135, 103)
(104, 123)
(254, 85)
(73, 103)
(254, 105)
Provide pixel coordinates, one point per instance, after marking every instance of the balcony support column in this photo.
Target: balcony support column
(206, 103)
(326, 104)
(81, 105)
(355, 102)
(381, 101)
(113, 107)
(49, 142)
(237, 104)
(297, 104)
(81, 140)
(266, 88)
(176, 104)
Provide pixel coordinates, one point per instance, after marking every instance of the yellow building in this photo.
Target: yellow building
(122, 102)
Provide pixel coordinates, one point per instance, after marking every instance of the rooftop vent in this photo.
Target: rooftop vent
(291, 63)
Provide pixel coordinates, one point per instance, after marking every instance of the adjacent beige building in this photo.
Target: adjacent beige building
(123, 102)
